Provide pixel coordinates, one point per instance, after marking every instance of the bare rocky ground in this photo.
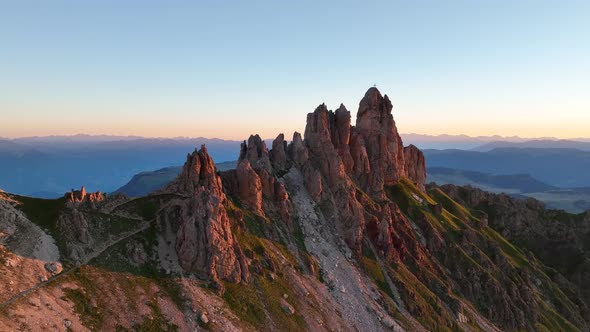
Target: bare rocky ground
(350, 290)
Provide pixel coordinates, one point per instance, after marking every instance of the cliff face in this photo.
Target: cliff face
(204, 243)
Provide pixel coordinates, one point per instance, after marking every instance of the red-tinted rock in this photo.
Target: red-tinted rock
(198, 170)
(341, 136)
(204, 242)
(319, 143)
(282, 200)
(249, 186)
(256, 153)
(278, 154)
(81, 197)
(383, 144)
(313, 182)
(415, 166)
(297, 150)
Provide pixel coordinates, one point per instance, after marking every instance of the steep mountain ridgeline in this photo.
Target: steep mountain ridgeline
(335, 230)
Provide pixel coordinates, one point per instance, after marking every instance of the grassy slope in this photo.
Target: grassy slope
(454, 221)
(258, 300)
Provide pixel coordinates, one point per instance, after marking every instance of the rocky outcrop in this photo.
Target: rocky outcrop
(341, 136)
(78, 197)
(249, 186)
(318, 140)
(204, 244)
(297, 151)
(278, 154)
(256, 153)
(73, 225)
(198, 171)
(382, 143)
(415, 166)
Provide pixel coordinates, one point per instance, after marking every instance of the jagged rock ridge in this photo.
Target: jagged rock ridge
(335, 230)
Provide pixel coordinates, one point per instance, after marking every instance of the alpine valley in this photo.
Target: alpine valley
(335, 230)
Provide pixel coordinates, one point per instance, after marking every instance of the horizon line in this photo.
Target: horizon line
(270, 138)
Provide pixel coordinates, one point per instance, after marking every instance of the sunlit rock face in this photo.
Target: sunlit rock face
(204, 244)
(415, 166)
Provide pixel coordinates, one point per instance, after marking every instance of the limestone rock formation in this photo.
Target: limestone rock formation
(297, 151)
(204, 244)
(383, 145)
(249, 186)
(415, 166)
(78, 197)
(198, 171)
(318, 140)
(278, 153)
(256, 153)
(204, 241)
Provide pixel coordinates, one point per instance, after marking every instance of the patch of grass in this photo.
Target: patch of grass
(374, 271)
(515, 256)
(3, 254)
(298, 236)
(255, 224)
(553, 321)
(173, 289)
(89, 315)
(272, 292)
(450, 205)
(145, 207)
(424, 305)
(156, 323)
(244, 302)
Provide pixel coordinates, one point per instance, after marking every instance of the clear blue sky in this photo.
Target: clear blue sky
(227, 69)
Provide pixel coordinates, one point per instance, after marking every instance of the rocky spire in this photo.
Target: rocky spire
(297, 151)
(383, 145)
(278, 154)
(256, 153)
(198, 171)
(415, 166)
(204, 241)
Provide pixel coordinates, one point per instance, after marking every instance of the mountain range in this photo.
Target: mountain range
(334, 230)
(47, 167)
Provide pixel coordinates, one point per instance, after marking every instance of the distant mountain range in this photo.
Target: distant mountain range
(563, 168)
(536, 144)
(464, 142)
(573, 200)
(48, 167)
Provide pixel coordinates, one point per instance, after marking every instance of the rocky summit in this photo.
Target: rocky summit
(335, 230)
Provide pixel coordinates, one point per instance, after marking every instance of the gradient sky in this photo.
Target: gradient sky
(227, 69)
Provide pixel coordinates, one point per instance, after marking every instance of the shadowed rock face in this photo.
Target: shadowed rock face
(249, 186)
(278, 154)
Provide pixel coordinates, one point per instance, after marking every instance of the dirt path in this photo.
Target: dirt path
(66, 272)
